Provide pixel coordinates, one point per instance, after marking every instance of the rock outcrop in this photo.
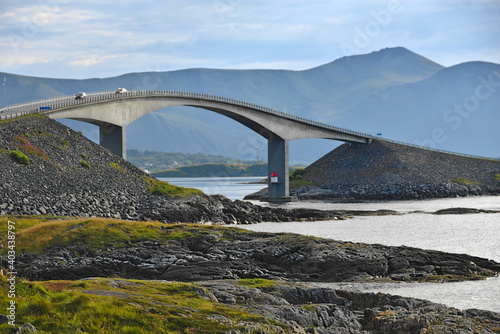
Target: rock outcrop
(191, 253)
(323, 311)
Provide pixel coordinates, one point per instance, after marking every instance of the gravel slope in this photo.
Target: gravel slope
(389, 170)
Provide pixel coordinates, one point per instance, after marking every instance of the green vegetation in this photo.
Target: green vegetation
(296, 179)
(20, 157)
(215, 169)
(259, 283)
(35, 235)
(297, 174)
(497, 177)
(109, 306)
(85, 164)
(157, 187)
(463, 181)
(117, 166)
(64, 143)
(157, 161)
(24, 145)
(118, 305)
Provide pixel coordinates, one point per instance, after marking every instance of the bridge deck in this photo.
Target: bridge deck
(46, 106)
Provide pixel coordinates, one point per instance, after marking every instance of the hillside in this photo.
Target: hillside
(394, 91)
(389, 170)
(215, 170)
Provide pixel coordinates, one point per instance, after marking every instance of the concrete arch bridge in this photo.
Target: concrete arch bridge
(113, 111)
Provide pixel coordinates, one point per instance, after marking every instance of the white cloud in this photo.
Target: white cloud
(175, 34)
(93, 59)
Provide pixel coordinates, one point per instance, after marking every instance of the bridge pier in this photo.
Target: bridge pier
(113, 137)
(278, 163)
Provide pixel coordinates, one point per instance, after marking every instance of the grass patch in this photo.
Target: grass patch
(117, 166)
(107, 306)
(463, 181)
(497, 177)
(35, 235)
(85, 164)
(24, 145)
(259, 283)
(20, 157)
(162, 188)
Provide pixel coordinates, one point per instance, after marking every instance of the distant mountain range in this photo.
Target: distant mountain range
(393, 92)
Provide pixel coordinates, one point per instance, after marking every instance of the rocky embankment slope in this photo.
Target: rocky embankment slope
(384, 170)
(66, 174)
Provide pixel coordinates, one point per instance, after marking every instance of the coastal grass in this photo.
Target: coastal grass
(258, 283)
(35, 235)
(105, 306)
(497, 177)
(162, 188)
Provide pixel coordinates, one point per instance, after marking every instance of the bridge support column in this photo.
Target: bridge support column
(113, 137)
(277, 162)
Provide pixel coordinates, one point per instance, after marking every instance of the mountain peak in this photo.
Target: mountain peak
(390, 55)
(395, 59)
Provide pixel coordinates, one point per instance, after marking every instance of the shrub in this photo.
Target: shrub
(297, 174)
(85, 164)
(20, 157)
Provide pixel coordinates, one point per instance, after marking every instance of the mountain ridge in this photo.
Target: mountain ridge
(394, 91)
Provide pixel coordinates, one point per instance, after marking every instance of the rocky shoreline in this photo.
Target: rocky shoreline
(192, 253)
(70, 176)
(324, 311)
(217, 259)
(279, 307)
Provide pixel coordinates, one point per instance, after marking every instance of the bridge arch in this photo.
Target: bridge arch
(112, 112)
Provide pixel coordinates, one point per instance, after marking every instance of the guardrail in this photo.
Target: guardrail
(69, 101)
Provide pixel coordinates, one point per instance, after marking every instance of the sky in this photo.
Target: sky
(102, 38)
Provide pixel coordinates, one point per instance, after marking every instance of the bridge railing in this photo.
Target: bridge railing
(68, 101)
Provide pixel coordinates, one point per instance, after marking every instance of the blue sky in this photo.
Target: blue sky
(101, 38)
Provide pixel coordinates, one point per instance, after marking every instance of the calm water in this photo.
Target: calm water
(231, 187)
(473, 234)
